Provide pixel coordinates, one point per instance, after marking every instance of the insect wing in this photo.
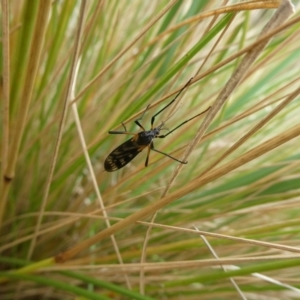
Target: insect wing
(122, 155)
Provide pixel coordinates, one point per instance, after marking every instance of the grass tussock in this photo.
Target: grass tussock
(223, 226)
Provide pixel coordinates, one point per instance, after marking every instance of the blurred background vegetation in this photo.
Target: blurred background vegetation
(73, 70)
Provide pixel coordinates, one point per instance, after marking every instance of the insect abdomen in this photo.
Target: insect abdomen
(122, 155)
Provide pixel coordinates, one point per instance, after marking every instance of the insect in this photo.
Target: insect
(127, 151)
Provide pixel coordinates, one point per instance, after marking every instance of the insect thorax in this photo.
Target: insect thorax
(145, 137)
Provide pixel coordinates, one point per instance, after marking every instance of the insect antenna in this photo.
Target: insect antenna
(153, 118)
(164, 135)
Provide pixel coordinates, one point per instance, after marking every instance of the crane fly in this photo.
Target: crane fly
(127, 151)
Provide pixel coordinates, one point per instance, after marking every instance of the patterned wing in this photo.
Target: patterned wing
(122, 155)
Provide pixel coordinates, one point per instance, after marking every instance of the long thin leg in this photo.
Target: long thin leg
(121, 132)
(147, 158)
(137, 120)
(164, 135)
(124, 126)
(153, 118)
(180, 161)
(125, 130)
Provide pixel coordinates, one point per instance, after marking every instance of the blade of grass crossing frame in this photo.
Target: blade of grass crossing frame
(181, 63)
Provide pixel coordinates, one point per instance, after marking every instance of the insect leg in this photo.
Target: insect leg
(153, 118)
(163, 136)
(147, 158)
(121, 132)
(137, 120)
(125, 130)
(152, 148)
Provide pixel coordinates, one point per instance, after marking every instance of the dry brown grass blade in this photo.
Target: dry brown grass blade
(171, 265)
(250, 5)
(214, 253)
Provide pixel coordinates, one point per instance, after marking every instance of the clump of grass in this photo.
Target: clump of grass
(72, 72)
